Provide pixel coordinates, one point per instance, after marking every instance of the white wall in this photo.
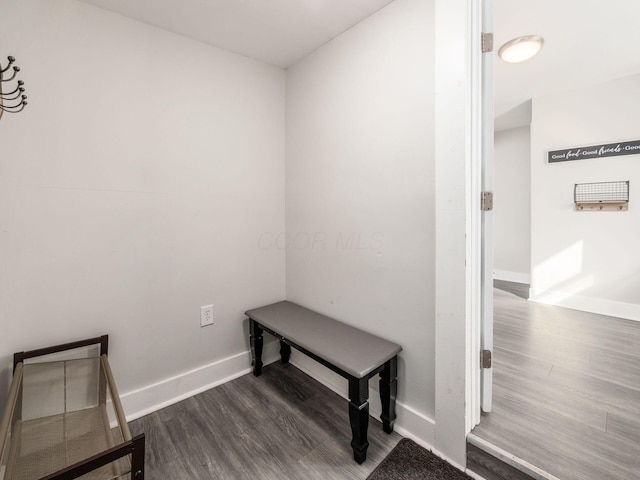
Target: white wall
(585, 260)
(134, 189)
(360, 190)
(512, 206)
(147, 178)
(457, 229)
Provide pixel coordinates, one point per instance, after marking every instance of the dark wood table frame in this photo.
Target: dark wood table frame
(358, 387)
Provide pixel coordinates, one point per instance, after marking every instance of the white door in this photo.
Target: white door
(486, 334)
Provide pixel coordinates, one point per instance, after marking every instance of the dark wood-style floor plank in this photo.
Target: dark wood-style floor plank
(566, 390)
(282, 424)
(491, 468)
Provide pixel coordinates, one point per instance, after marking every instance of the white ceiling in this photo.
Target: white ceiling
(279, 32)
(586, 41)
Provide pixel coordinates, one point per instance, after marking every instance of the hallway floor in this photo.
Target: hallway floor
(566, 390)
(280, 425)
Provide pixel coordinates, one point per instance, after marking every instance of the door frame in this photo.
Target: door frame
(458, 161)
(486, 286)
(479, 223)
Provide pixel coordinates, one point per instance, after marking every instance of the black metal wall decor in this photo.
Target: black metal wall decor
(15, 100)
(595, 151)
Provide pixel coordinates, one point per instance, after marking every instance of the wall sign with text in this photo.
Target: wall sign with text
(595, 151)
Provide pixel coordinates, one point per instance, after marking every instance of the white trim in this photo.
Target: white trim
(629, 311)
(457, 29)
(415, 425)
(510, 459)
(485, 160)
(516, 277)
(474, 475)
(410, 423)
(474, 222)
(451, 462)
(151, 398)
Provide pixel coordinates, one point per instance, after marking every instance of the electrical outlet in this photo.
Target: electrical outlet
(206, 315)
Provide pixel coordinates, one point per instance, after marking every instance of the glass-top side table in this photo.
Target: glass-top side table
(64, 420)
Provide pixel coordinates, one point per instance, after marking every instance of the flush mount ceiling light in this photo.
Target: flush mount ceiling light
(521, 49)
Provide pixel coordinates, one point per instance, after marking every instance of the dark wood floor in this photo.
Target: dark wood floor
(566, 390)
(281, 425)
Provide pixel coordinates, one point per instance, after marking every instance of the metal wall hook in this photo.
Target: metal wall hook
(11, 60)
(16, 94)
(6, 97)
(15, 72)
(19, 87)
(23, 101)
(9, 109)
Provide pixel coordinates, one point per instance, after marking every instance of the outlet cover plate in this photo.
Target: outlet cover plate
(206, 315)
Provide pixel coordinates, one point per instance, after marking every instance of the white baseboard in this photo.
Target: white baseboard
(507, 276)
(409, 423)
(151, 398)
(416, 426)
(474, 475)
(629, 311)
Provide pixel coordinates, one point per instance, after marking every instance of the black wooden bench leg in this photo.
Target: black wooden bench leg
(388, 392)
(285, 351)
(256, 340)
(359, 416)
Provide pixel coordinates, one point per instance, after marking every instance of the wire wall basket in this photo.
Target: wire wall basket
(602, 196)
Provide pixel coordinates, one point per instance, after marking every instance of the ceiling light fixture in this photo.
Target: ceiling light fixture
(521, 49)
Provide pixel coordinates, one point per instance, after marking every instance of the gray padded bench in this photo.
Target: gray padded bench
(348, 351)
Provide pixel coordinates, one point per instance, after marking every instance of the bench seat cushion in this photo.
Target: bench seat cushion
(352, 350)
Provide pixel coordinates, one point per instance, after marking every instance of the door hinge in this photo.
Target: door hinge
(485, 358)
(487, 42)
(486, 201)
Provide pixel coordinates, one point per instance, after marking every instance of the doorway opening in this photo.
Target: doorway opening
(566, 361)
